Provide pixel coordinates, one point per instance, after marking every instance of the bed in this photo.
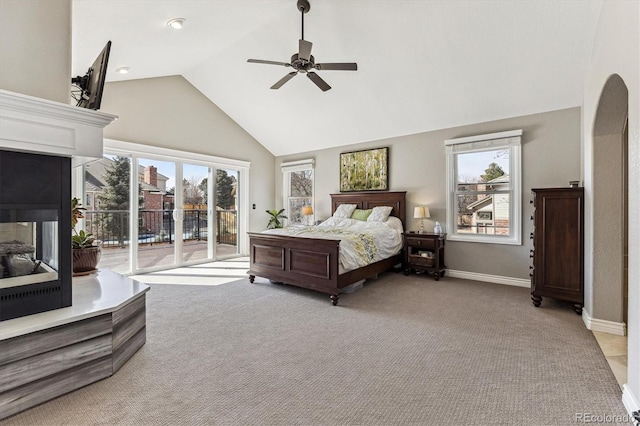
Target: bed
(313, 263)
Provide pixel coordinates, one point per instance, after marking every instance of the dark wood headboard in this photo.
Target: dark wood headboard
(368, 200)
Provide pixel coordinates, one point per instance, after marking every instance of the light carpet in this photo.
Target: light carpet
(403, 350)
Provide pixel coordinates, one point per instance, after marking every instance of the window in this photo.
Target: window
(297, 190)
(483, 188)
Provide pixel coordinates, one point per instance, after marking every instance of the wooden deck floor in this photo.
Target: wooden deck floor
(118, 259)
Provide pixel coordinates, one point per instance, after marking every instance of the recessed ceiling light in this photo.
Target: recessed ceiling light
(122, 70)
(176, 23)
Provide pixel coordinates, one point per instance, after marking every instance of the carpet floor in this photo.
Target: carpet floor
(403, 350)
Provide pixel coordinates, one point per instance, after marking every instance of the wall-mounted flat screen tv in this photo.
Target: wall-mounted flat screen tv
(89, 87)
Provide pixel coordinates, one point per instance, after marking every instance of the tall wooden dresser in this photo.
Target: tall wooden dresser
(558, 246)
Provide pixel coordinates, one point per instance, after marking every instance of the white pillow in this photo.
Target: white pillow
(345, 210)
(395, 223)
(380, 214)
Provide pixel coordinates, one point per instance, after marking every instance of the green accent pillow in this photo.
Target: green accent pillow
(360, 214)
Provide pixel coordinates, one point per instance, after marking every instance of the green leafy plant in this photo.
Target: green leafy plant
(80, 239)
(275, 219)
(76, 212)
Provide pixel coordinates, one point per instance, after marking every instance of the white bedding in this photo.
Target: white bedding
(361, 243)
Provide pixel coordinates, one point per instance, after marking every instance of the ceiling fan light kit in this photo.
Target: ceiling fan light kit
(304, 62)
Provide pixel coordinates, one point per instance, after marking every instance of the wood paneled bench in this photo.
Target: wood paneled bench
(49, 354)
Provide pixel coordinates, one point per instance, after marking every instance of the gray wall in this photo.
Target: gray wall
(35, 48)
(169, 112)
(616, 51)
(417, 164)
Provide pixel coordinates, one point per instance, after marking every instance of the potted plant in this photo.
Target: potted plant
(275, 219)
(85, 253)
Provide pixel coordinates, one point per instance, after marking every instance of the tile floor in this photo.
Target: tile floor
(615, 351)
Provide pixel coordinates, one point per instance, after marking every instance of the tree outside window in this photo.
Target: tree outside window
(301, 194)
(297, 190)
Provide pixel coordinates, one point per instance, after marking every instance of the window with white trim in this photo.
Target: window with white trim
(297, 191)
(484, 188)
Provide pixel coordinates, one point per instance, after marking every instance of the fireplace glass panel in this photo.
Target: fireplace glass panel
(29, 244)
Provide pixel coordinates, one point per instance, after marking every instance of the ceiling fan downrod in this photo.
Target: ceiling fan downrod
(303, 7)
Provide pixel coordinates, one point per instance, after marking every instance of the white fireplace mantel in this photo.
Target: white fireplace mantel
(42, 126)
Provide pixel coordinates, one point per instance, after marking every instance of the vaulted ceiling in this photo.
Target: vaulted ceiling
(422, 64)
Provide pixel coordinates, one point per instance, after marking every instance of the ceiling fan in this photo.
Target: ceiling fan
(304, 62)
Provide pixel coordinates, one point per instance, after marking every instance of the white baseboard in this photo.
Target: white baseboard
(629, 400)
(497, 279)
(593, 324)
(611, 327)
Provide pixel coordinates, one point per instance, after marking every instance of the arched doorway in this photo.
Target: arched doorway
(610, 206)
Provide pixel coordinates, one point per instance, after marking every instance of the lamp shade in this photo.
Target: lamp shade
(307, 211)
(421, 212)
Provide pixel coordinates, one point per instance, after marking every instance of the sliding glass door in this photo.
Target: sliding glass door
(226, 223)
(196, 223)
(182, 211)
(158, 236)
(108, 213)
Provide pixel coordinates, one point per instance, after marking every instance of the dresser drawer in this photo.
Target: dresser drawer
(421, 242)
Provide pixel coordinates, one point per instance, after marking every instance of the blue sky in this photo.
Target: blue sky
(190, 171)
(474, 164)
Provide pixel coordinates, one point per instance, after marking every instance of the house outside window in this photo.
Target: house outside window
(297, 190)
(484, 188)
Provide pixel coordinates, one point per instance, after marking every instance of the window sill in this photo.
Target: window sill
(514, 241)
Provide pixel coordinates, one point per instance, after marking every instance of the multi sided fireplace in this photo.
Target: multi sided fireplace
(35, 233)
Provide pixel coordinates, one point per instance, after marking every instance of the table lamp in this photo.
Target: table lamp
(307, 211)
(421, 212)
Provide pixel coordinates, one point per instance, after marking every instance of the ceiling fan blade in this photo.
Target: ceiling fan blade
(318, 81)
(338, 66)
(304, 49)
(260, 61)
(284, 79)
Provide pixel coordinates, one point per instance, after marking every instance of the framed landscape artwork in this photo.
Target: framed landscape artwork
(364, 170)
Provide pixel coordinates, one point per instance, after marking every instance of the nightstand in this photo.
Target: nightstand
(417, 246)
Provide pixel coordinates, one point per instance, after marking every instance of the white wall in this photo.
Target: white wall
(617, 51)
(169, 112)
(35, 48)
(417, 164)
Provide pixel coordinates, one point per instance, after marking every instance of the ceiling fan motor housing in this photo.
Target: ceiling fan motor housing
(301, 65)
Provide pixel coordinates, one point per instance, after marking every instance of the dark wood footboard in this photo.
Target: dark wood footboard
(307, 263)
(304, 262)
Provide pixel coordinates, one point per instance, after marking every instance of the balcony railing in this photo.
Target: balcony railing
(111, 227)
